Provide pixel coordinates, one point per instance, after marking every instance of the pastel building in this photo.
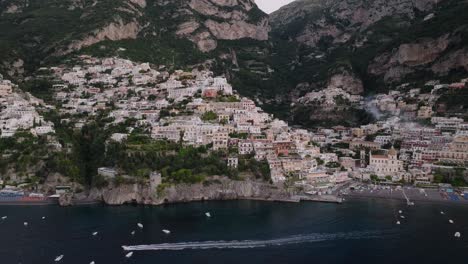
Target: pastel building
(388, 164)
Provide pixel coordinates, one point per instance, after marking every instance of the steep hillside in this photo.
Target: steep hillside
(174, 32)
(366, 46)
(334, 50)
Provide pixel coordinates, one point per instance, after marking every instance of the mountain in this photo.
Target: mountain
(333, 50)
(170, 32)
(364, 47)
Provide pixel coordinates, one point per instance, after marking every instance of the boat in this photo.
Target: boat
(92, 262)
(58, 258)
(451, 221)
(25, 223)
(4, 217)
(95, 233)
(166, 231)
(208, 214)
(400, 212)
(132, 233)
(398, 222)
(129, 255)
(457, 234)
(140, 225)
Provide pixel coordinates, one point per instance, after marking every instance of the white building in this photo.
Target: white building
(245, 147)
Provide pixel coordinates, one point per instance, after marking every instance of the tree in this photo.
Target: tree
(438, 178)
(209, 116)
(319, 161)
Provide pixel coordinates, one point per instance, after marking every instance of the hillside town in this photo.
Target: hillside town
(413, 140)
(19, 111)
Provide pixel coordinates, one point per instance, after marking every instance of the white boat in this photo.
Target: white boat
(129, 255)
(43, 218)
(402, 216)
(397, 222)
(457, 234)
(140, 225)
(95, 233)
(132, 233)
(166, 231)
(400, 212)
(442, 212)
(451, 221)
(92, 262)
(208, 214)
(25, 223)
(4, 217)
(58, 258)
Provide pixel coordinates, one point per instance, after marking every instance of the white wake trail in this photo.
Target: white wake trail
(299, 239)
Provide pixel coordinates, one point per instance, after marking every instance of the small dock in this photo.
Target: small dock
(408, 202)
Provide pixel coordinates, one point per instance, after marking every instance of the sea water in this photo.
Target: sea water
(240, 232)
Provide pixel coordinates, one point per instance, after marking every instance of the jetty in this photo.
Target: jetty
(408, 202)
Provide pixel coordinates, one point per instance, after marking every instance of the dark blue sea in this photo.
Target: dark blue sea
(239, 232)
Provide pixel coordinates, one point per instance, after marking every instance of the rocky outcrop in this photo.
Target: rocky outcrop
(347, 82)
(66, 199)
(156, 25)
(125, 193)
(225, 190)
(402, 61)
(13, 6)
(117, 30)
(221, 189)
(140, 3)
(238, 30)
(204, 40)
(451, 61)
(423, 52)
(325, 18)
(222, 20)
(16, 68)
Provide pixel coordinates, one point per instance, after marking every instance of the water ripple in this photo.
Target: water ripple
(297, 239)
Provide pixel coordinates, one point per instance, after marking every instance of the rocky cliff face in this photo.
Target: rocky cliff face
(225, 20)
(396, 64)
(401, 37)
(315, 19)
(363, 46)
(116, 30)
(223, 189)
(36, 31)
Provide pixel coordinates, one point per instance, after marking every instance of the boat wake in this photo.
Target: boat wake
(298, 239)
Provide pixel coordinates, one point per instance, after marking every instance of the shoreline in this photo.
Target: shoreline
(340, 200)
(294, 199)
(402, 199)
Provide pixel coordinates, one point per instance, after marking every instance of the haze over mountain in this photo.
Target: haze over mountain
(307, 46)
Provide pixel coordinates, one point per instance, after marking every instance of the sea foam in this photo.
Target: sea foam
(242, 244)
